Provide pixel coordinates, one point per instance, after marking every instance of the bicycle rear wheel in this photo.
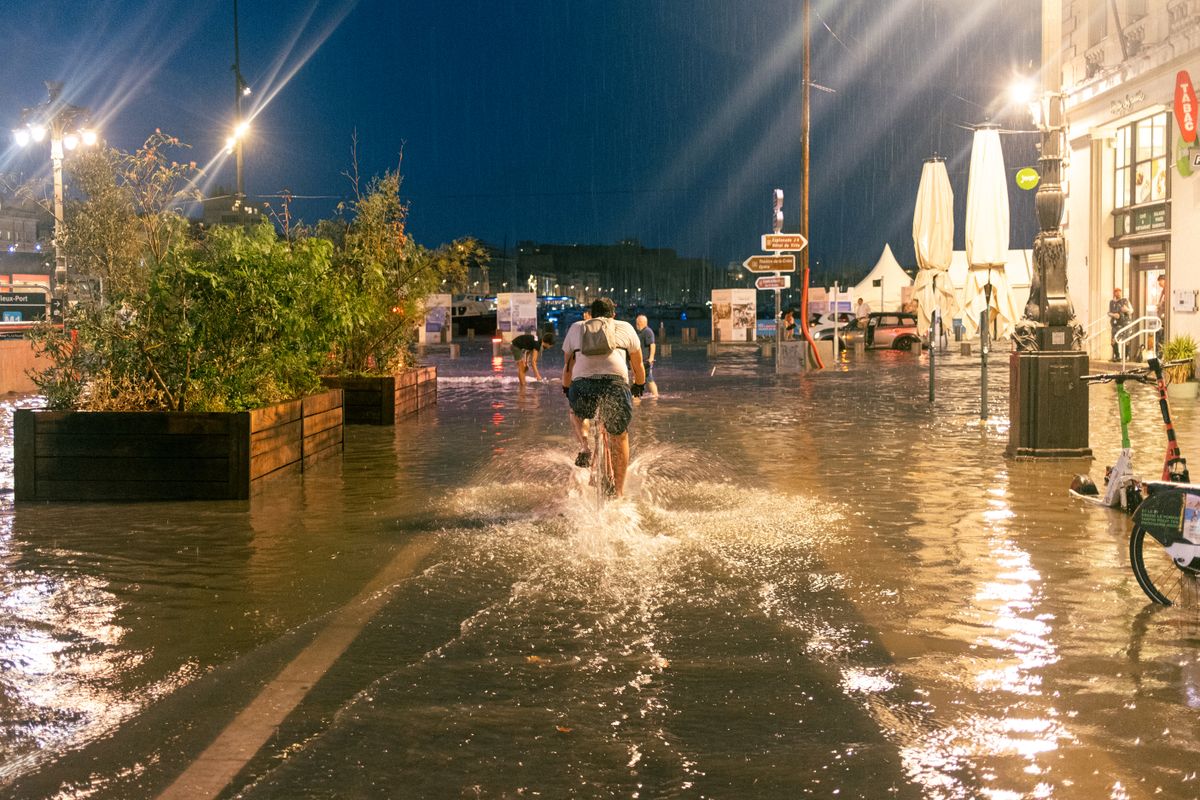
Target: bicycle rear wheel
(1160, 578)
(602, 473)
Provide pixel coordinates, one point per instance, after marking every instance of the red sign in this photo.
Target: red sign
(775, 282)
(1185, 106)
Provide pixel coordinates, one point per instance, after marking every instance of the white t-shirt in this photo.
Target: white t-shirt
(613, 363)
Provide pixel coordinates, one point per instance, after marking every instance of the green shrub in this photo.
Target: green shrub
(384, 277)
(1182, 347)
(164, 318)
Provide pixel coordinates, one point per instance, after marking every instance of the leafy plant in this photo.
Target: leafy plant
(384, 277)
(226, 321)
(1182, 347)
(167, 318)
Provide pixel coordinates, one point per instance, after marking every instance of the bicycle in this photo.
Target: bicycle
(602, 479)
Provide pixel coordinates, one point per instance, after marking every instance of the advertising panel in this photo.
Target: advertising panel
(733, 315)
(436, 327)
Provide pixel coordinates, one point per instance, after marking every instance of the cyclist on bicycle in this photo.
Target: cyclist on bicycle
(595, 376)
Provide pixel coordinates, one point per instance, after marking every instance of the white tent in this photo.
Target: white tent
(889, 295)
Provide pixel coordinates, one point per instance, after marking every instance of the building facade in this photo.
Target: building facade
(1133, 195)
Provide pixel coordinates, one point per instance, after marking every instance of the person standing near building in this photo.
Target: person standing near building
(1160, 310)
(862, 310)
(649, 348)
(1119, 313)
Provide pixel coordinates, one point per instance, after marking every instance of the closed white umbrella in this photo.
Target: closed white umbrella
(987, 235)
(933, 239)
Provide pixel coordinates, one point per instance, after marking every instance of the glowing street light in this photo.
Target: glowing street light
(65, 124)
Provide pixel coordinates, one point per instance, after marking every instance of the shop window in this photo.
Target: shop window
(1140, 175)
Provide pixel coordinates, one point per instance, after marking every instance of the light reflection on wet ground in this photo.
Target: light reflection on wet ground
(822, 584)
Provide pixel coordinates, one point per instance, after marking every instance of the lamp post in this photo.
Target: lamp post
(66, 126)
(1048, 403)
(240, 126)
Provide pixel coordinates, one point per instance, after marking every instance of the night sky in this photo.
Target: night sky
(589, 121)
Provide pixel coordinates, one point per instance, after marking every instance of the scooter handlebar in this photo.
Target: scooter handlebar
(1141, 374)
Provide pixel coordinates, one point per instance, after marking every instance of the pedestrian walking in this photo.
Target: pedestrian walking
(649, 348)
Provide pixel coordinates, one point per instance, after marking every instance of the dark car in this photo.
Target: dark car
(894, 329)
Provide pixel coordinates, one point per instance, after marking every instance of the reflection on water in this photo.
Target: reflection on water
(821, 585)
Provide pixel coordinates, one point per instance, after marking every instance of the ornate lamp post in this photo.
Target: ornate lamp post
(66, 126)
(1048, 403)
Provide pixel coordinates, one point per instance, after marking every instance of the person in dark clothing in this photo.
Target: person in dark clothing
(1119, 314)
(649, 348)
(525, 350)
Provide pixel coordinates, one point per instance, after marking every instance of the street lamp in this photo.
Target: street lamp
(240, 126)
(66, 125)
(1049, 402)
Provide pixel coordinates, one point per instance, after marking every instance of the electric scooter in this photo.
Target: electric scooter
(1121, 488)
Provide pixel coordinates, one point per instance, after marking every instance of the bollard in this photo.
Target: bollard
(497, 345)
(860, 347)
(664, 350)
(712, 349)
(454, 350)
(966, 348)
(915, 347)
(470, 334)
(689, 334)
(662, 331)
(766, 350)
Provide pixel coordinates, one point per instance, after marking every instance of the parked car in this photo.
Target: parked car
(894, 329)
(821, 326)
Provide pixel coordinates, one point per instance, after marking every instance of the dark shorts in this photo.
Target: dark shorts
(521, 354)
(586, 394)
(649, 371)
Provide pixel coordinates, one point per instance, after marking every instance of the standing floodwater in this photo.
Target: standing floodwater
(820, 585)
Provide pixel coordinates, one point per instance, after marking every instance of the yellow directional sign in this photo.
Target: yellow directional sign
(770, 263)
(794, 242)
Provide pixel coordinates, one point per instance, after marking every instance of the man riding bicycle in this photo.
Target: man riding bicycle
(595, 376)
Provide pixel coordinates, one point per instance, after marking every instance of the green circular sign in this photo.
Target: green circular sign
(1028, 178)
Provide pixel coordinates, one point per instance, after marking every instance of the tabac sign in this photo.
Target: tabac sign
(1185, 106)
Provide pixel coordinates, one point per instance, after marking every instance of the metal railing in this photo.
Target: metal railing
(1092, 330)
(1140, 327)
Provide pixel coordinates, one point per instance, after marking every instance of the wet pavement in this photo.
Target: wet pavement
(821, 586)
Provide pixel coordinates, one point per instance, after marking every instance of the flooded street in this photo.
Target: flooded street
(820, 586)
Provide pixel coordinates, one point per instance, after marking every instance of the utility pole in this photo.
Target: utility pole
(806, 129)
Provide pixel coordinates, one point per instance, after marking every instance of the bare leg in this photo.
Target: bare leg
(653, 387)
(619, 447)
(580, 428)
(521, 372)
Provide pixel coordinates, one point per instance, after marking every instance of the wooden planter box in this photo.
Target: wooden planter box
(165, 455)
(384, 399)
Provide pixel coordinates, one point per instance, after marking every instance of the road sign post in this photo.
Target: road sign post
(784, 242)
(777, 263)
(775, 282)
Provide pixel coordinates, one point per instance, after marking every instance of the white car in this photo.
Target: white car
(822, 326)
